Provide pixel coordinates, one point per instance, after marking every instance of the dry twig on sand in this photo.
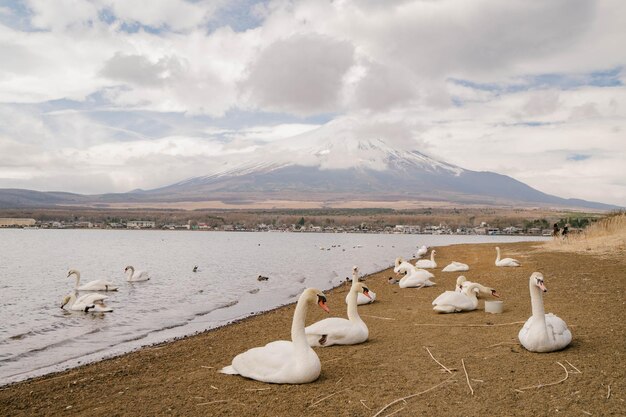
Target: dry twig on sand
(363, 404)
(257, 389)
(578, 371)
(547, 385)
(468, 325)
(328, 396)
(411, 396)
(467, 376)
(440, 364)
(377, 317)
(608, 394)
(501, 343)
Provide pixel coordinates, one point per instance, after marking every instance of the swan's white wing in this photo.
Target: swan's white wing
(459, 300)
(558, 331)
(98, 285)
(336, 331)
(262, 363)
(330, 325)
(456, 267)
(91, 298)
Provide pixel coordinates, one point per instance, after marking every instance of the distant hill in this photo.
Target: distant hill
(374, 171)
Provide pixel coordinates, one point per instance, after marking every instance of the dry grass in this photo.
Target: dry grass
(605, 237)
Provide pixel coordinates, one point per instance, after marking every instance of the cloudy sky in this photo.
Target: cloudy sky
(112, 95)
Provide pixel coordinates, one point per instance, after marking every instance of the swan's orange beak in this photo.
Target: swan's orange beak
(323, 305)
(367, 294)
(543, 287)
(495, 294)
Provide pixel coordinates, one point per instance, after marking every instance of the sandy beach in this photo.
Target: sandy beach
(416, 362)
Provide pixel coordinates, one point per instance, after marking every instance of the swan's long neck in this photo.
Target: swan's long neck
(536, 300)
(130, 272)
(77, 274)
(432, 256)
(498, 255)
(353, 314)
(469, 290)
(297, 325)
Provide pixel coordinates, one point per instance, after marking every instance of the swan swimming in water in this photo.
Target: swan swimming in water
(427, 263)
(505, 261)
(97, 285)
(421, 251)
(340, 331)
(361, 298)
(453, 302)
(284, 362)
(89, 303)
(542, 332)
(456, 267)
(135, 276)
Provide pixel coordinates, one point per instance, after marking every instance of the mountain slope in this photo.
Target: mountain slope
(327, 171)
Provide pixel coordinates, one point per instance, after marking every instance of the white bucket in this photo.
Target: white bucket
(494, 306)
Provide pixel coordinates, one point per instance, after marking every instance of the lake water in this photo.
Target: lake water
(38, 337)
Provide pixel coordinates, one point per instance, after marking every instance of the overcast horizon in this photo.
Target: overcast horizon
(100, 96)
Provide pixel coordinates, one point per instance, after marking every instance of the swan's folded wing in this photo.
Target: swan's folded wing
(457, 299)
(91, 298)
(262, 363)
(558, 326)
(332, 325)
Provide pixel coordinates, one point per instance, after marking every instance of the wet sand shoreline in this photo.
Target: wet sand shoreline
(480, 351)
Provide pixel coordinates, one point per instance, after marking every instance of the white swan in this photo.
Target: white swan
(462, 283)
(283, 362)
(361, 298)
(542, 332)
(421, 251)
(456, 267)
(414, 277)
(97, 285)
(89, 303)
(340, 331)
(427, 263)
(505, 261)
(452, 301)
(134, 276)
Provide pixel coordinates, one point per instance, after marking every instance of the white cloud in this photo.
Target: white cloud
(300, 75)
(514, 87)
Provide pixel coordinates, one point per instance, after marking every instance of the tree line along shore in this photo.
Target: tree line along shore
(428, 220)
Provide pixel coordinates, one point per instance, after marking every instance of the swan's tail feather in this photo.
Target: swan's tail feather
(444, 309)
(229, 370)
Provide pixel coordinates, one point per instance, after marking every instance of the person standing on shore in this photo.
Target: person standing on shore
(565, 231)
(555, 230)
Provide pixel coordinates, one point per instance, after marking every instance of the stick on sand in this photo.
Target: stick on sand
(467, 376)
(547, 385)
(440, 364)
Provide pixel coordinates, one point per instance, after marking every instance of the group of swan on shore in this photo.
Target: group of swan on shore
(94, 303)
(295, 362)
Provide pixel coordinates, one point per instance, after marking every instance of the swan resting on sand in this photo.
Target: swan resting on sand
(97, 285)
(456, 267)
(505, 261)
(340, 331)
(427, 263)
(134, 276)
(453, 302)
(89, 303)
(284, 362)
(542, 332)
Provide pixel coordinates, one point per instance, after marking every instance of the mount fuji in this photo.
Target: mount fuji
(350, 169)
(313, 168)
